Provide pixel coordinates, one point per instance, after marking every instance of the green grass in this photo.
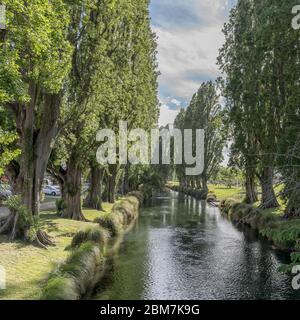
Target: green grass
(223, 192)
(49, 199)
(284, 234)
(28, 266)
(71, 279)
(93, 234)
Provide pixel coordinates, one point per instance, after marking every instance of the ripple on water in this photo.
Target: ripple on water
(179, 249)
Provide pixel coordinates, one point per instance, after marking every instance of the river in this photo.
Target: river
(180, 248)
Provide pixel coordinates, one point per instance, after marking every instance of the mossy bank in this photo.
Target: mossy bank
(76, 277)
(196, 193)
(283, 233)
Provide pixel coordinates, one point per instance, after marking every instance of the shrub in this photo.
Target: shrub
(60, 206)
(60, 288)
(286, 234)
(211, 197)
(226, 205)
(138, 195)
(127, 208)
(26, 221)
(111, 223)
(95, 234)
(295, 261)
(76, 275)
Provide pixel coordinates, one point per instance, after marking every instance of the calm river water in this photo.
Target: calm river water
(181, 249)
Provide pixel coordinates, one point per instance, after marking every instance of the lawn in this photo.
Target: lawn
(222, 192)
(28, 266)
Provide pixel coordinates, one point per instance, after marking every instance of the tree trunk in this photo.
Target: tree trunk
(293, 206)
(112, 183)
(72, 199)
(94, 197)
(204, 184)
(268, 197)
(111, 189)
(251, 193)
(193, 183)
(198, 183)
(63, 188)
(126, 186)
(36, 145)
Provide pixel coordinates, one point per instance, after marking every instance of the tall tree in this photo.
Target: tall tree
(205, 112)
(113, 79)
(257, 59)
(35, 59)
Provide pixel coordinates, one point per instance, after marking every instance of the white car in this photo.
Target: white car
(51, 191)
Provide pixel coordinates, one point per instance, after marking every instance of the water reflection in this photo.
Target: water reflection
(182, 249)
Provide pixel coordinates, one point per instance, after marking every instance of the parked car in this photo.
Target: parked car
(51, 191)
(5, 191)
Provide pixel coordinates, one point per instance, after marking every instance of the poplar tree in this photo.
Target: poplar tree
(35, 59)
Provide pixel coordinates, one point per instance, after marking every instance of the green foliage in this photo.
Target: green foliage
(60, 206)
(228, 176)
(226, 205)
(113, 78)
(26, 220)
(8, 150)
(204, 112)
(122, 214)
(211, 197)
(128, 208)
(285, 234)
(243, 213)
(41, 52)
(295, 256)
(60, 288)
(138, 195)
(95, 235)
(74, 277)
(198, 194)
(260, 61)
(146, 178)
(111, 223)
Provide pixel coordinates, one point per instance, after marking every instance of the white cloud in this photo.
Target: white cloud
(187, 52)
(185, 60)
(176, 102)
(167, 116)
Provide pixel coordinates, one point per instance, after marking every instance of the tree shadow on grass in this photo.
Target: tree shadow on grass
(49, 221)
(19, 244)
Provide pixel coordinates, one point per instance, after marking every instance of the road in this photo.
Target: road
(44, 206)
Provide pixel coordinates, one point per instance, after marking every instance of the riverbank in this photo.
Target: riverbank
(183, 249)
(76, 277)
(28, 267)
(220, 192)
(270, 223)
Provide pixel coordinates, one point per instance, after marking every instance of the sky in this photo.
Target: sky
(189, 37)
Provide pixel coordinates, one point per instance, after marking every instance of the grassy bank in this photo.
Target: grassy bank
(284, 234)
(220, 191)
(27, 266)
(76, 277)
